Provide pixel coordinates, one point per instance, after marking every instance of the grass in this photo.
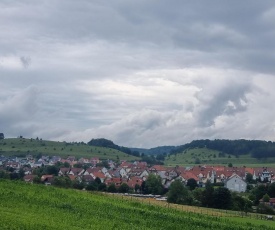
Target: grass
(22, 146)
(31, 206)
(213, 157)
(236, 216)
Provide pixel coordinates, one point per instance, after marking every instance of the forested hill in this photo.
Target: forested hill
(256, 148)
(102, 142)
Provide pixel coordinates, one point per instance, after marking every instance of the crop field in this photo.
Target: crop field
(22, 146)
(212, 157)
(30, 206)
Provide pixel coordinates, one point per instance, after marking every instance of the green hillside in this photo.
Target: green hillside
(209, 156)
(31, 206)
(22, 146)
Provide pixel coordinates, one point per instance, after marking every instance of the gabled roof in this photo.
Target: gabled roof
(76, 170)
(99, 175)
(29, 178)
(46, 177)
(72, 177)
(157, 168)
(87, 178)
(64, 170)
(188, 175)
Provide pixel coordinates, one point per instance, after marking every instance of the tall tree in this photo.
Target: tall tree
(222, 198)
(207, 195)
(178, 193)
(192, 183)
(271, 190)
(124, 188)
(112, 188)
(249, 178)
(153, 184)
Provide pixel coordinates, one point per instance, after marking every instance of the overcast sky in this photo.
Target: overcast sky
(141, 73)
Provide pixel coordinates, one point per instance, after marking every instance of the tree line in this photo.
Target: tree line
(257, 148)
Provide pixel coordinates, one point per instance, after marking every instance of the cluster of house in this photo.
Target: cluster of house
(137, 172)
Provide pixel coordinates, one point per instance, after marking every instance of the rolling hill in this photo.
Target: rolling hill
(23, 146)
(237, 152)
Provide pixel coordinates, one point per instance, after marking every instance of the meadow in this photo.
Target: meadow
(213, 157)
(22, 146)
(31, 206)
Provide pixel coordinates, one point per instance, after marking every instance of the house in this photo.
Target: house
(236, 183)
(185, 176)
(100, 175)
(13, 164)
(63, 171)
(87, 179)
(29, 178)
(120, 172)
(76, 171)
(116, 181)
(133, 181)
(47, 179)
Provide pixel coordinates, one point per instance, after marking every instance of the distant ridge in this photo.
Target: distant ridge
(256, 148)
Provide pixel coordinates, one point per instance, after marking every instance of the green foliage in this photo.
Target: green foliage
(78, 185)
(258, 149)
(178, 193)
(102, 187)
(249, 178)
(258, 193)
(207, 195)
(222, 198)
(112, 188)
(271, 190)
(38, 148)
(4, 174)
(62, 181)
(153, 185)
(240, 203)
(102, 142)
(93, 186)
(265, 209)
(192, 183)
(266, 198)
(123, 188)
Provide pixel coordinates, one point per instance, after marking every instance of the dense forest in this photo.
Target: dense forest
(257, 148)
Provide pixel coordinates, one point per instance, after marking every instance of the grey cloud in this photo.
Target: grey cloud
(140, 72)
(26, 61)
(17, 109)
(229, 100)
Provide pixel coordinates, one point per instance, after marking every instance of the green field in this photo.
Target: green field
(213, 157)
(30, 206)
(22, 146)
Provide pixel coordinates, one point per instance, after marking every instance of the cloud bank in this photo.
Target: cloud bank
(142, 73)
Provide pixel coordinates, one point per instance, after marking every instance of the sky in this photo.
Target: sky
(141, 73)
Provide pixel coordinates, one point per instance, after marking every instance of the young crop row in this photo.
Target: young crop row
(26, 206)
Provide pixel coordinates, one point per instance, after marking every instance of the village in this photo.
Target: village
(134, 173)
